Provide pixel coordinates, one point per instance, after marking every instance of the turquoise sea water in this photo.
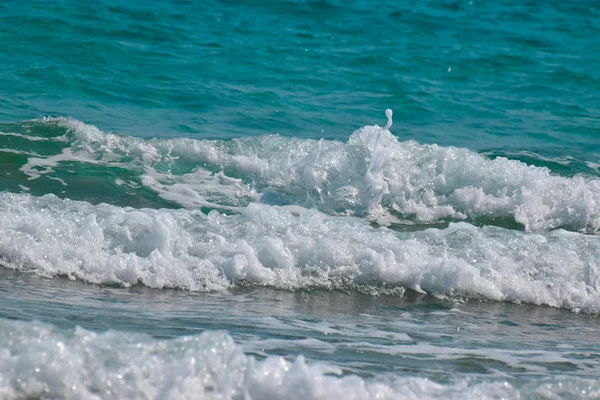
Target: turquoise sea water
(207, 200)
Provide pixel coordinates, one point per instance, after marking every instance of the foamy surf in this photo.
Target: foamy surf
(294, 249)
(41, 361)
(374, 174)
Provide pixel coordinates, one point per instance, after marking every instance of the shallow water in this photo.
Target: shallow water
(448, 344)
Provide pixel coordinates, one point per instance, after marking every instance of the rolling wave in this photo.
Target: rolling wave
(374, 175)
(293, 248)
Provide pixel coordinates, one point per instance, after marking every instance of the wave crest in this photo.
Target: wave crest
(373, 175)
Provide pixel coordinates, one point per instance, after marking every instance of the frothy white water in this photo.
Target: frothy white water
(294, 249)
(34, 138)
(373, 174)
(39, 361)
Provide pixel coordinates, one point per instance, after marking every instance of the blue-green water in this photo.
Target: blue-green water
(191, 190)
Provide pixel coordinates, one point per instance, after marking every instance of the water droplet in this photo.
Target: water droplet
(388, 113)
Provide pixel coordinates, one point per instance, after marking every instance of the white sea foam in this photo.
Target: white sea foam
(593, 166)
(294, 249)
(40, 361)
(372, 175)
(34, 138)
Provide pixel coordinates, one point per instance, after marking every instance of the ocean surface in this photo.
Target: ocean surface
(299, 199)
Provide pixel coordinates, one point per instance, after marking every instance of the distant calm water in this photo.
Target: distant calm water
(206, 199)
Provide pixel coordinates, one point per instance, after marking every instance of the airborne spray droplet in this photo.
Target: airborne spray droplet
(388, 114)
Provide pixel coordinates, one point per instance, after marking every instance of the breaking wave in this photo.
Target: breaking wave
(294, 248)
(39, 361)
(373, 175)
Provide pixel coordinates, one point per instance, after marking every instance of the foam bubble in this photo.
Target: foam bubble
(294, 249)
(372, 175)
